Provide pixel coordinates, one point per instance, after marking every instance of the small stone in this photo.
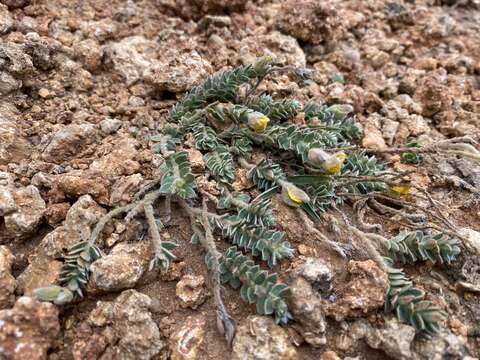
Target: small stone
(69, 142)
(56, 213)
(28, 330)
(124, 189)
(120, 160)
(44, 93)
(7, 281)
(310, 21)
(177, 72)
(259, 338)
(8, 84)
(7, 201)
(191, 291)
(110, 126)
(121, 269)
(364, 293)
(44, 269)
(187, 339)
(133, 334)
(30, 208)
(330, 355)
(174, 272)
(317, 273)
(195, 158)
(473, 238)
(89, 54)
(373, 139)
(393, 338)
(6, 21)
(242, 181)
(306, 307)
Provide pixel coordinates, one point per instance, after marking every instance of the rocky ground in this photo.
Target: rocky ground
(83, 84)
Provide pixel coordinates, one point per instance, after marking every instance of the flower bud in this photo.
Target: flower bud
(257, 121)
(330, 163)
(293, 195)
(401, 187)
(57, 294)
(340, 111)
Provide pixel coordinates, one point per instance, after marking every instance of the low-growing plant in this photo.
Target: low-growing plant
(306, 153)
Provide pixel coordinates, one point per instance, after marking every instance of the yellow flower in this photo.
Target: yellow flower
(330, 163)
(401, 187)
(293, 196)
(335, 166)
(258, 121)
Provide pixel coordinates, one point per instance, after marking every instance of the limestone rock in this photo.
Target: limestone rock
(133, 334)
(7, 201)
(394, 338)
(283, 48)
(363, 293)
(13, 147)
(309, 20)
(124, 189)
(44, 269)
(306, 307)
(7, 281)
(178, 72)
(28, 214)
(121, 160)
(6, 20)
(77, 183)
(69, 142)
(89, 53)
(28, 330)
(122, 268)
(191, 291)
(110, 126)
(259, 338)
(187, 339)
(473, 238)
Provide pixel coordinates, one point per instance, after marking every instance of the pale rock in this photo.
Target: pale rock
(362, 294)
(69, 142)
(82, 182)
(28, 330)
(373, 139)
(30, 208)
(196, 161)
(121, 160)
(44, 269)
(101, 30)
(187, 339)
(191, 291)
(7, 201)
(89, 53)
(6, 20)
(13, 147)
(177, 72)
(306, 307)
(284, 49)
(8, 84)
(131, 56)
(7, 281)
(394, 338)
(110, 126)
(133, 334)
(124, 189)
(259, 338)
(473, 239)
(121, 269)
(389, 130)
(445, 345)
